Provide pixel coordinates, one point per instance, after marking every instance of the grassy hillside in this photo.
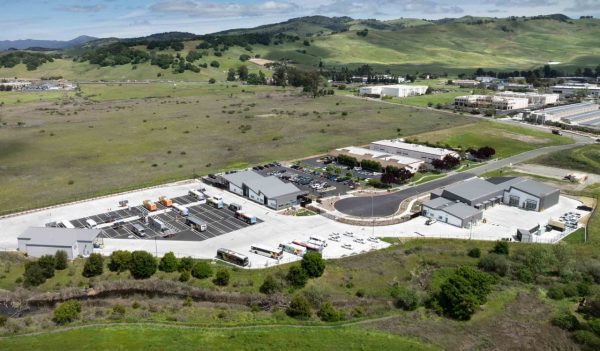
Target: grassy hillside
(402, 46)
(584, 158)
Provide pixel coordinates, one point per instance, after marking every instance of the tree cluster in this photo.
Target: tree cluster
(448, 162)
(395, 175)
(483, 153)
(160, 45)
(36, 272)
(30, 59)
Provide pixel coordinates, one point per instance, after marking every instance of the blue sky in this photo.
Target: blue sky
(66, 19)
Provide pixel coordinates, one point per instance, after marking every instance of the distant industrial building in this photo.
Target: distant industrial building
(585, 113)
(479, 194)
(269, 191)
(394, 90)
(415, 151)
(567, 90)
(491, 101)
(534, 99)
(518, 87)
(39, 241)
(466, 83)
(385, 159)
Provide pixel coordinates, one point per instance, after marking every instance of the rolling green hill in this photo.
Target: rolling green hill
(401, 46)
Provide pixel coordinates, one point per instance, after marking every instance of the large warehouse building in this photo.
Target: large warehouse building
(416, 151)
(480, 194)
(269, 191)
(534, 99)
(394, 90)
(384, 158)
(567, 90)
(39, 241)
(489, 101)
(581, 113)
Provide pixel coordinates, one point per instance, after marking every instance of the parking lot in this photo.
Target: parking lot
(316, 184)
(318, 162)
(219, 221)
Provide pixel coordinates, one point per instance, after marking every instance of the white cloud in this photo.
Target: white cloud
(585, 5)
(81, 8)
(211, 9)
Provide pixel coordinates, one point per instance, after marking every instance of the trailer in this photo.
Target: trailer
(212, 202)
(182, 210)
(157, 223)
(165, 201)
(235, 207)
(196, 194)
(149, 205)
(196, 223)
(248, 218)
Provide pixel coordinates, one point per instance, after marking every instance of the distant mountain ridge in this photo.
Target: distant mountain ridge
(45, 44)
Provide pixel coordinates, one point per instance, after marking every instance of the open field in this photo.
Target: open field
(585, 158)
(432, 99)
(130, 337)
(17, 97)
(506, 139)
(77, 148)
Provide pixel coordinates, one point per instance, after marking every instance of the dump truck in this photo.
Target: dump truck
(149, 205)
(165, 201)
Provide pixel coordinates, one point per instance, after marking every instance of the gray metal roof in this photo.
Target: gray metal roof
(238, 178)
(534, 188)
(461, 210)
(438, 203)
(271, 186)
(472, 189)
(58, 236)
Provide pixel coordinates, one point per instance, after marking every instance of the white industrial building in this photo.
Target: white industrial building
(535, 99)
(394, 90)
(581, 113)
(491, 101)
(415, 151)
(572, 89)
(39, 241)
(384, 158)
(269, 191)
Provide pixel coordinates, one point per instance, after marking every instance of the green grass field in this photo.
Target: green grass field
(430, 100)
(17, 97)
(585, 158)
(506, 139)
(160, 337)
(117, 137)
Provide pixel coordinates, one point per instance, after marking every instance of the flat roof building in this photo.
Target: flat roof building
(490, 101)
(534, 99)
(39, 241)
(385, 159)
(269, 191)
(572, 89)
(451, 212)
(562, 113)
(394, 90)
(416, 151)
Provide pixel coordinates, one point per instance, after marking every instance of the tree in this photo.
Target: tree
(328, 313)
(60, 260)
(296, 276)
(484, 152)
(222, 277)
(33, 275)
(67, 312)
(313, 264)
(474, 252)
(280, 76)
(186, 264)
(231, 75)
(93, 266)
(407, 299)
(47, 264)
(448, 162)
(500, 248)
(168, 263)
(119, 261)
(244, 57)
(184, 276)
(270, 285)
(462, 293)
(242, 72)
(299, 308)
(201, 270)
(143, 265)
(215, 64)
(495, 263)
(212, 81)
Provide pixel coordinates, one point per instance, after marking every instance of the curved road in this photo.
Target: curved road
(387, 205)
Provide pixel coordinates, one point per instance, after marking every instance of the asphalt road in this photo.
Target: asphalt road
(386, 205)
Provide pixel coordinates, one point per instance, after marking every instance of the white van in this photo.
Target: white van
(90, 223)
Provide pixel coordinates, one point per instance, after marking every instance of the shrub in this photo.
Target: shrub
(462, 292)
(212, 81)
(328, 313)
(474, 252)
(222, 277)
(587, 338)
(60, 260)
(313, 264)
(296, 276)
(215, 64)
(143, 265)
(186, 264)
(47, 264)
(185, 276)
(524, 274)
(168, 263)
(407, 299)
(570, 290)
(33, 275)
(270, 285)
(566, 320)
(119, 261)
(3, 320)
(495, 263)
(94, 266)
(594, 325)
(555, 292)
(500, 248)
(67, 312)
(202, 270)
(299, 308)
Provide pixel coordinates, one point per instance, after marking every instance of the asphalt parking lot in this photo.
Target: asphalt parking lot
(338, 188)
(219, 222)
(317, 162)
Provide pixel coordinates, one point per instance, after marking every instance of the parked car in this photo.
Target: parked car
(430, 221)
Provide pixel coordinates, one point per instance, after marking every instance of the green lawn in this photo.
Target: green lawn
(147, 337)
(585, 158)
(430, 100)
(506, 139)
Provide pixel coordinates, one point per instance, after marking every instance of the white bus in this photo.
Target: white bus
(266, 251)
(196, 194)
(233, 257)
(182, 210)
(196, 223)
(293, 249)
(317, 240)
